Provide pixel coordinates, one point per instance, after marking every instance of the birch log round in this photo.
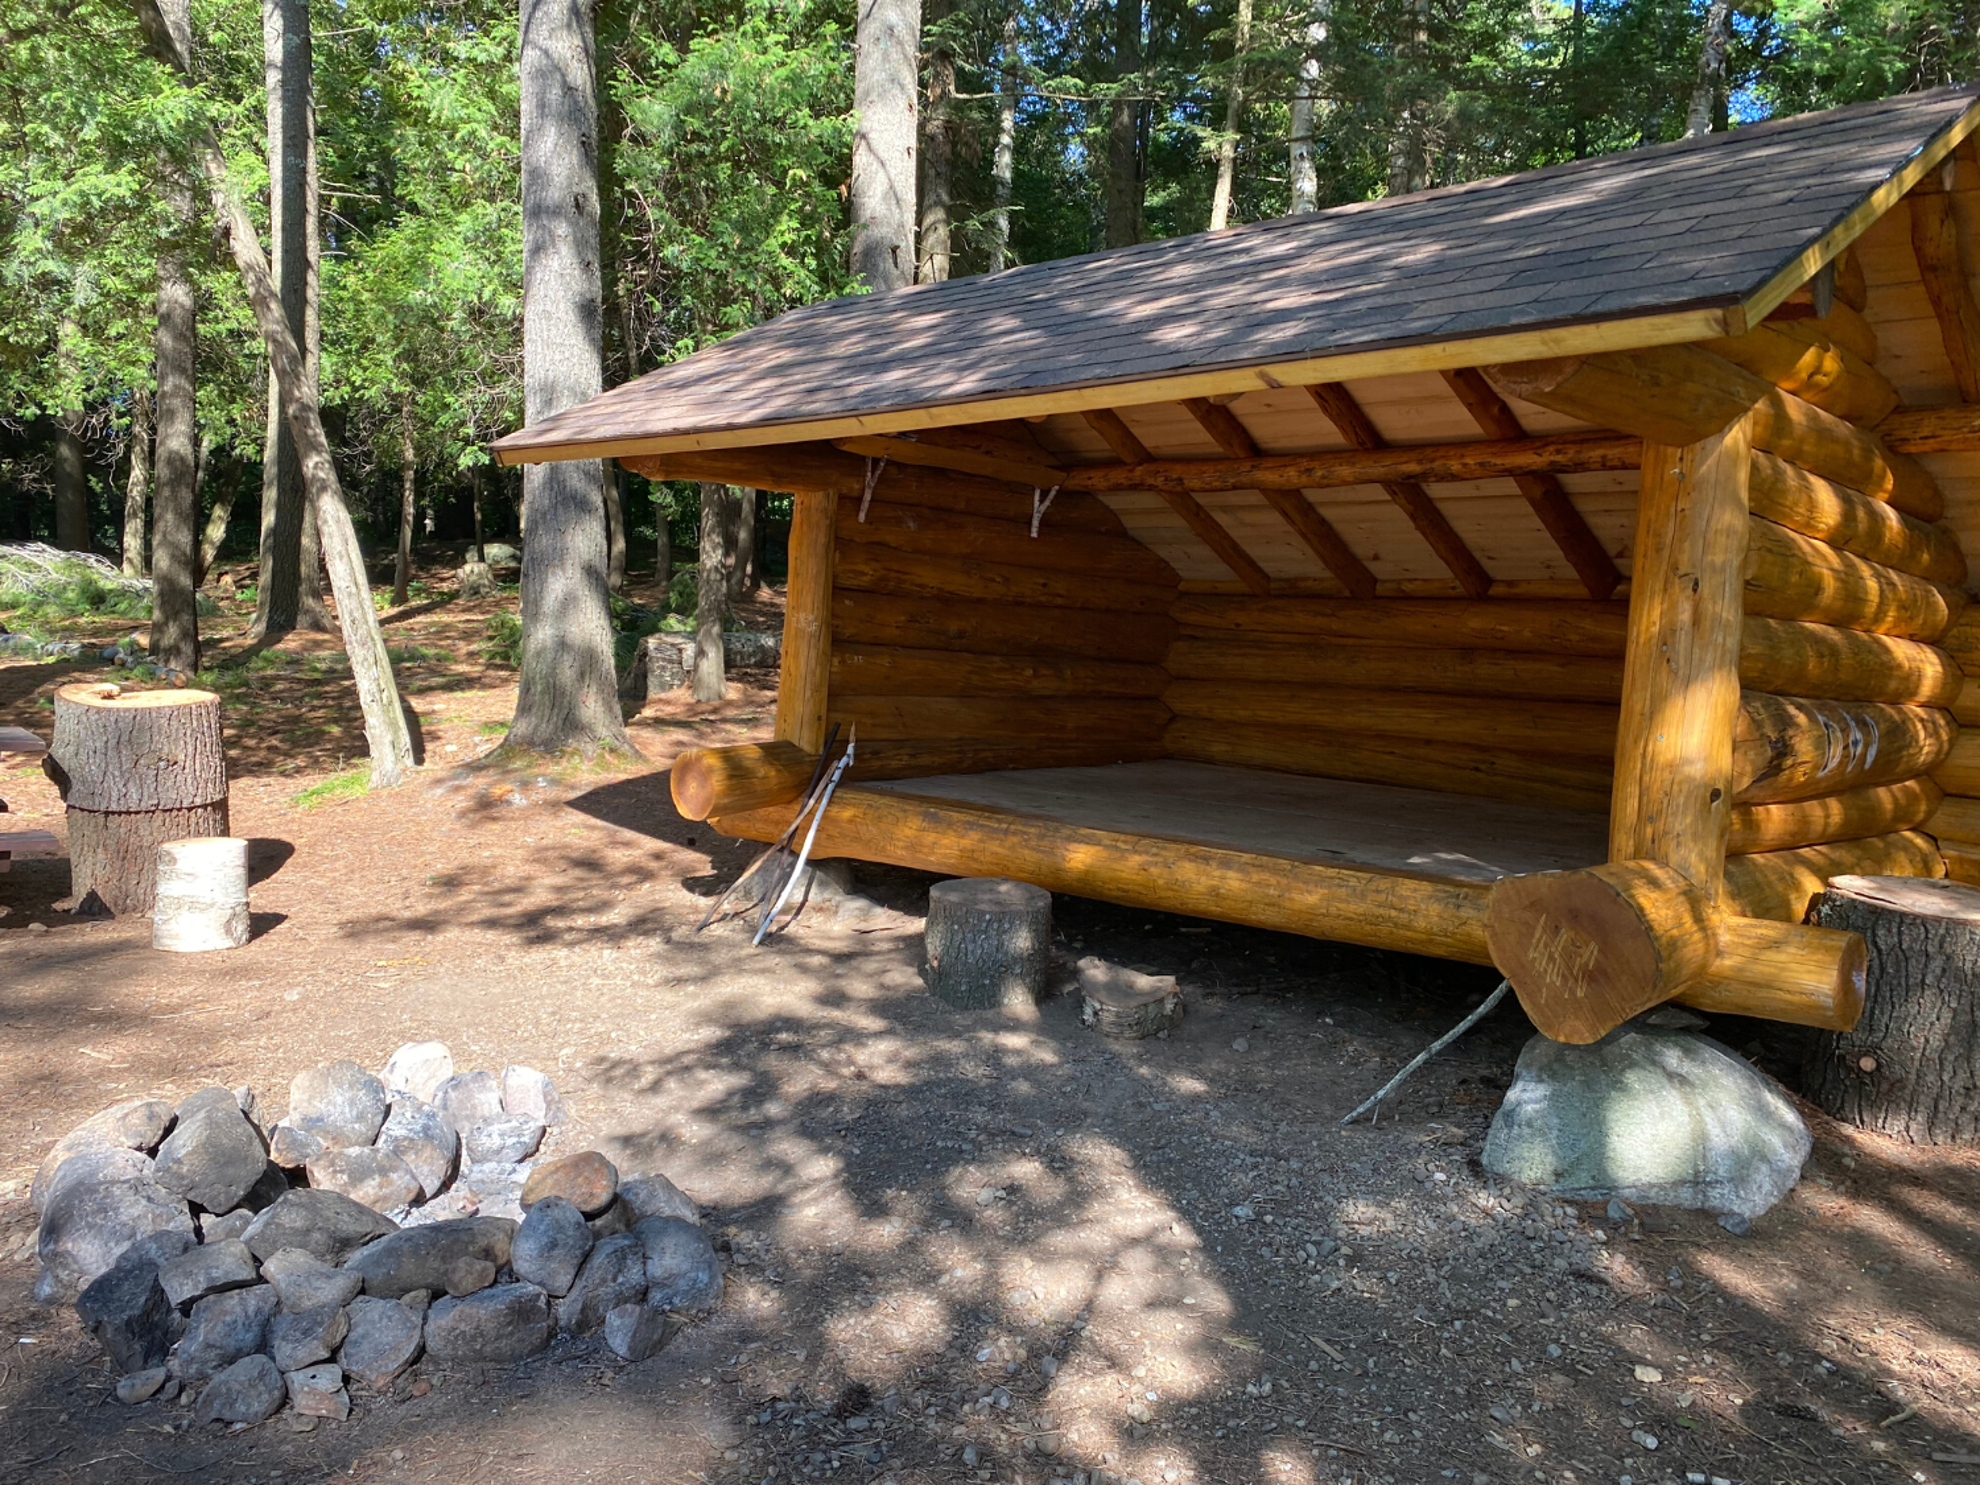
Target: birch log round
(1910, 1067)
(136, 769)
(989, 941)
(202, 900)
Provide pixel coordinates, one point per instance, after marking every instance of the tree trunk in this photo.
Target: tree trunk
(1910, 1067)
(135, 769)
(137, 485)
(71, 483)
(385, 729)
(175, 499)
(568, 694)
(1303, 175)
(216, 519)
(476, 479)
(1220, 202)
(887, 45)
(938, 156)
(615, 526)
(663, 532)
(1711, 70)
(711, 594)
(989, 942)
(1003, 166)
(402, 565)
(1124, 184)
(741, 526)
(288, 596)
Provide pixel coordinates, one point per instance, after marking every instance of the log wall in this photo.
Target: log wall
(1955, 825)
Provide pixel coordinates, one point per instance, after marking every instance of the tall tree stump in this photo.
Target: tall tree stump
(1911, 1065)
(136, 769)
(202, 900)
(989, 941)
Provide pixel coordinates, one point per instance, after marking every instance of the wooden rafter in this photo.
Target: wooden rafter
(1334, 399)
(907, 449)
(1132, 451)
(1936, 240)
(1308, 524)
(1545, 493)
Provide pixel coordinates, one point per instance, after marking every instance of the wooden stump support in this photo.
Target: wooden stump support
(989, 942)
(1911, 1066)
(136, 769)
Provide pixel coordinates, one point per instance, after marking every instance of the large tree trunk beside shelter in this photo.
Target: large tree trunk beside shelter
(175, 496)
(938, 155)
(888, 45)
(71, 483)
(568, 695)
(711, 602)
(1124, 183)
(136, 769)
(1910, 1067)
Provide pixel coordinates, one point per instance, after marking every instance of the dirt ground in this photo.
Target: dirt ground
(962, 1248)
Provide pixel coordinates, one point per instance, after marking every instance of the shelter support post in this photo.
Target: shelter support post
(803, 691)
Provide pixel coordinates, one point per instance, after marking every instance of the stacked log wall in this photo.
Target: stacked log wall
(962, 642)
(1955, 825)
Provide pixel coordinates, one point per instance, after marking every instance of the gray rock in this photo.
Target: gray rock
(551, 1245)
(271, 1188)
(99, 1203)
(492, 1188)
(453, 1257)
(505, 1323)
(614, 1274)
(419, 1301)
(1667, 1117)
(141, 1386)
(384, 1340)
(615, 1219)
(503, 1141)
(249, 1391)
(587, 1180)
(301, 1338)
(213, 1096)
(126, 1308)
(423, 1140)
(248, 1102)
(293, 1148)
(318, 1392)
(377, 1178)
(341, 1104)
(211, 1268)
(223, 1328)
(500, 554)
(325, 1223)
(135, 1124)
(418, 1069)
(682, 1271)
(529, 1094)
(468, 1099)
(302, 1281)
(656, 1196)
(216, 1229)
(635, 1332)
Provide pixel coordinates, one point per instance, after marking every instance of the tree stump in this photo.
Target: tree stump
(1911, 1065)
(988, 941)
(136, 769)
(1124, 1003)
(202, 900)
(476, 581)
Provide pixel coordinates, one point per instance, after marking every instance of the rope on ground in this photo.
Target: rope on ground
(1432, 1050)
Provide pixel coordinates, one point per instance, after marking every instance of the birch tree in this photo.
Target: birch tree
(1711, 70)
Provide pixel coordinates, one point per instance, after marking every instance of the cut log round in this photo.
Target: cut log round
(1908, 1066)
(1125, 1004)
(202, 900)
(989, 941)
(137, 769)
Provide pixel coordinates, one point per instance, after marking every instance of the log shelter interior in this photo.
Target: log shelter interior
(1563, 572)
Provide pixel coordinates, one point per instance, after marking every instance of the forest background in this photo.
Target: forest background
(1047, 128)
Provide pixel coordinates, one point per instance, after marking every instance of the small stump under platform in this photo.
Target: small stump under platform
(1911, 1066)
(136, 769)
(989, 942)
(1125, 1003)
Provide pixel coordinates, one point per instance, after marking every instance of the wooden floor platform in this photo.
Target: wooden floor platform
(1327, 821)
(1369, 864)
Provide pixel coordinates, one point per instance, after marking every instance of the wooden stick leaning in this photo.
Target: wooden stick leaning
(749, 872)
(811, 835)
(385, 730)
(1483, 1010)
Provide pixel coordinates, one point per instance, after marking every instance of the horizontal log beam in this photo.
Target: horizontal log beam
(1959, 771)
(1954, 429)
(1001, 718)
(894, 670)
(1843, 325)
(908, 449)
(961, 536)
(1430, 464)
(739, 777)
(1789, 972)
(1877, 810)
(988, 627)
(1381, 910)
(1846, 519)
(1787, 747)
(1780, 885)
(1549, 626)
(1812, 367)
(1453, 672)
(1956, 819)
(1791, 576)
(864, 567)
(1789, 657)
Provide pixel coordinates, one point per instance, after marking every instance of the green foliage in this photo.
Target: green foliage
(682, 590)
(352, 783)
(502, 639)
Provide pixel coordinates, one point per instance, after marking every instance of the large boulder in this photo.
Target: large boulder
(503, 1141)
(213, 1156)
(324, 1223)
(1662, 1117)
(505, 1323)
(682, 1271)
(529, 1094)
(383, 1340)
(457, 1256)
(302, 1281)
(467, 1099)
(551, 1245)
(656, 1196)
(223, 1329)
(135, 1124)
(341, 1104)
(126, 1307)
(211, 1268)
(374, 1177)
(587, 1180)
(427, 1143)
(100, 1202)
(613, 1275)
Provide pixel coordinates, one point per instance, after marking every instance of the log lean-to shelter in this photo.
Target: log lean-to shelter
(1562, 572)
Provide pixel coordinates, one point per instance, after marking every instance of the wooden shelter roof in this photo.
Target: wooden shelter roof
(1671, 243)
